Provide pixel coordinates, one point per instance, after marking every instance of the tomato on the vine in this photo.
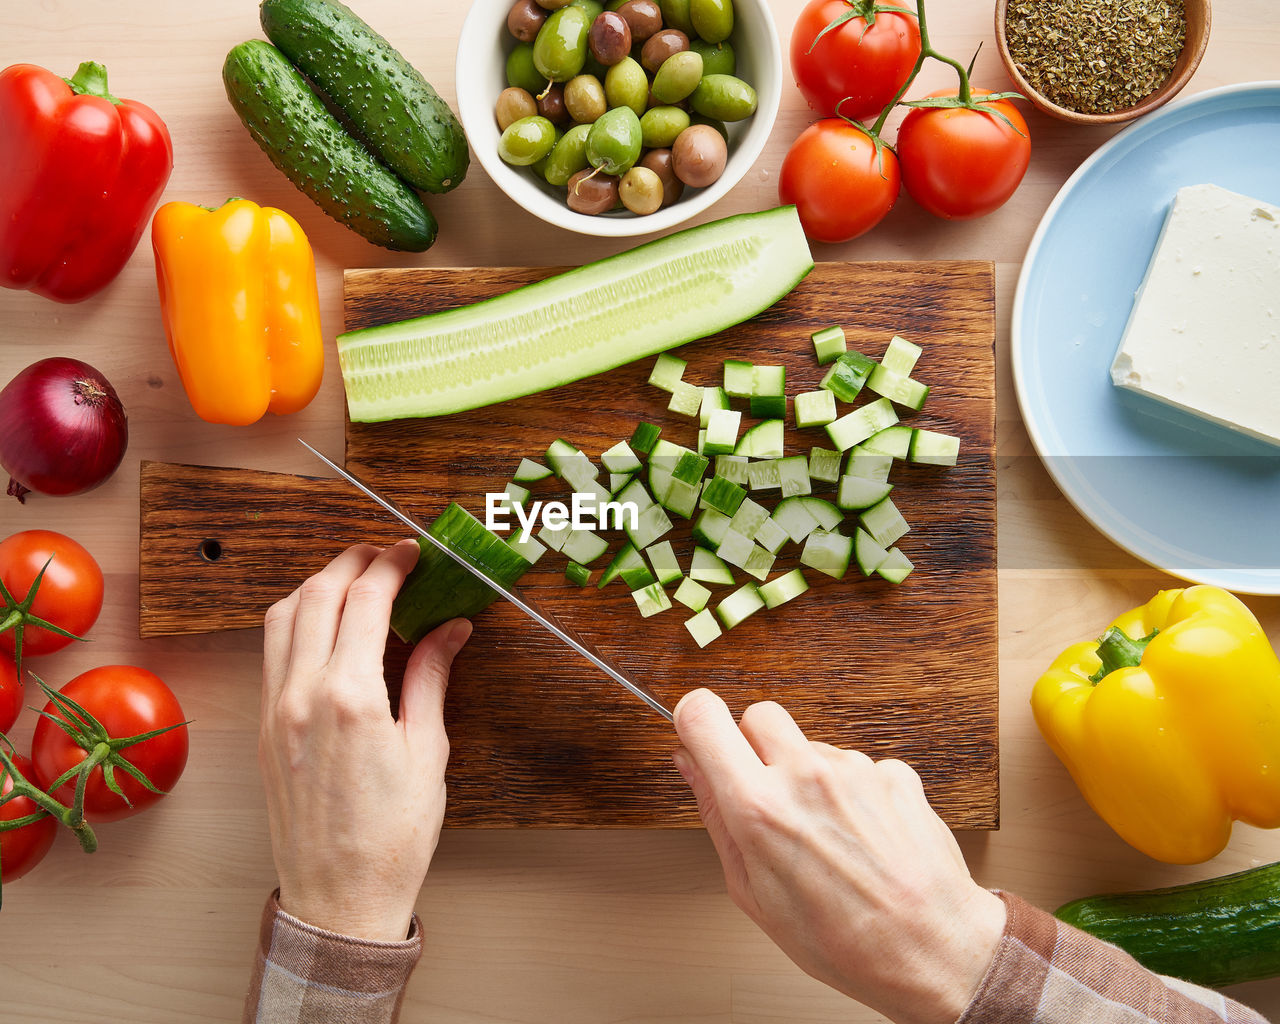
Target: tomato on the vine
(11, 692)
(857, 67)
(959, 163)
(841, 186)
(70, 594)
(127, 701)
(21, 849)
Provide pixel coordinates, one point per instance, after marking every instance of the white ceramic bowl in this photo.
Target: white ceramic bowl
(480, 75)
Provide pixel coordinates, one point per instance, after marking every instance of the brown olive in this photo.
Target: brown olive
(553, 5)
(524, 19)
(641, 191)
(512, 105)
(659, 161)
(698, 155)
(551, 104)
(609, 38)
(661, 45)
(644, 17)
(592, 192)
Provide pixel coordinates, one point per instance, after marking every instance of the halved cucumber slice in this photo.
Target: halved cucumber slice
(689, 285)
(857, 492)
(896, 567)
(710, 528)
(706, 567)
(703, 627)
(784, 588)
(892, 440)
(529, 472)
(741, 604)
(868, 554)
(763, 441)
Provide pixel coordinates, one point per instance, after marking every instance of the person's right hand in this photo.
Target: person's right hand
(840, 860)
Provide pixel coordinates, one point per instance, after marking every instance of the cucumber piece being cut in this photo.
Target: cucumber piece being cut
(784, 588)
(530, 549)
(738, 378)
(707, 567)
(901, 356)
(438, 589)
(667, 372)
(529, 472)
(824, 465)
(578, 574)
(741, 604)
(665, 565)
(828, 552)
(896, 567)
(847, 375)
(815, 408)
(933, 448)
(703, 627)
(828, 344)
(884, 522)
(689, 285)
(692, 594)
(644, 438)
(651, 599)
(855, 427)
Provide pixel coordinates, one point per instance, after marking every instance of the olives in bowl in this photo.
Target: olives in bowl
(681, 92)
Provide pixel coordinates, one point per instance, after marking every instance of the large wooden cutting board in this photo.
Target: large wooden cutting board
(539, 738)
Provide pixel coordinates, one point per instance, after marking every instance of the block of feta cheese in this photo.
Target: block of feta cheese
(1204, 334)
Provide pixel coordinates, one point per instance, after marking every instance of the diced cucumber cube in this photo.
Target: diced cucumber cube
(738, 378)
(828, 516)
(824, 465)
(760, 563)
(554, 539)
(651, 599)
(651, 526)
(707, 567)
(868, 554)
(578, 574)
(703, 627)
(763, 441)
(529, 472)
(620, 459)
(584, 546)
(735, 548)
(530, 549)
(637, 577)
(690, 468)
(815, 408)
(571, 465)
(723, 495)
(692, 594)
(662, 462)
(722, 432)
(769, 392)
(793, 473)
(516, 494)
(682, 498)
(771, 536)
(749, 518)
(665, 565)
(855, 427)
(644, 437)
(847, 375)
(884, 522)
(713, 399)
(795, 519)
(628, 560)
(897, 388)
(617, 481)
(702, 442)
(667, 372)
(893, 440)
(828, 552)
(709, 530)
(732, 467)
(686, 399)
(934, 449)
(896, 567)
(764, 476)
(784, 588)
(901, 356)
(858, 492)
(635, 494)
(828, 343)
(868, 464)
(741, 604)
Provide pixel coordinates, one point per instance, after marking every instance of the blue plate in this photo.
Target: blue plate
(1195, 500)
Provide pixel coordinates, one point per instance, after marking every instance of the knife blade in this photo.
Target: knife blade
(543, 618)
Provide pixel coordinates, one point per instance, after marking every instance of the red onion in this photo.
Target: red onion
(62, 428)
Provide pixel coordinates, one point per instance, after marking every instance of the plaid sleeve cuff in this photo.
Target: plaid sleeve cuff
(305, 974)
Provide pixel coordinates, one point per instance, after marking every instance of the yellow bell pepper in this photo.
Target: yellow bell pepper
(1170, 723)
(240, 306)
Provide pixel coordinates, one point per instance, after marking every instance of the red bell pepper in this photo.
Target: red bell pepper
(80, 174)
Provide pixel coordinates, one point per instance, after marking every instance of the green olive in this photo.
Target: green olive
(660, 125)
(679, 75)
(717, 58)
(675, 14)
(592, 7)
(512, 105)
(527, 141)
(626, 85)
(561, 47)
(569, 156)
(521, 72)
(584, 98)
(613, 144)
(712, 19)
(539, 167)
(723, 97)
(640, 191)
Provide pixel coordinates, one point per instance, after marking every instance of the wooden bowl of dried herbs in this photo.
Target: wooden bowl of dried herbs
(1101, 61)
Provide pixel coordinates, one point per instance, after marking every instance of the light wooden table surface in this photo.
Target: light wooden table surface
(589, 927)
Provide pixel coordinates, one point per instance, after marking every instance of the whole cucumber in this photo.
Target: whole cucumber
(315, 152)
(1221, 931)
(384, 99)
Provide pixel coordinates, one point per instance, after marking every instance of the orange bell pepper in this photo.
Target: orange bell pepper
(240, 306)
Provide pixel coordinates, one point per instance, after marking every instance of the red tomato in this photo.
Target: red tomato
(960, 163)
(21, 849)
(10, 692)
(127, 701)
(866, 64)
(70, 594)
(839, 184)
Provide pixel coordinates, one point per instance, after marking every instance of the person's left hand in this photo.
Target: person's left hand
(355, 798)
